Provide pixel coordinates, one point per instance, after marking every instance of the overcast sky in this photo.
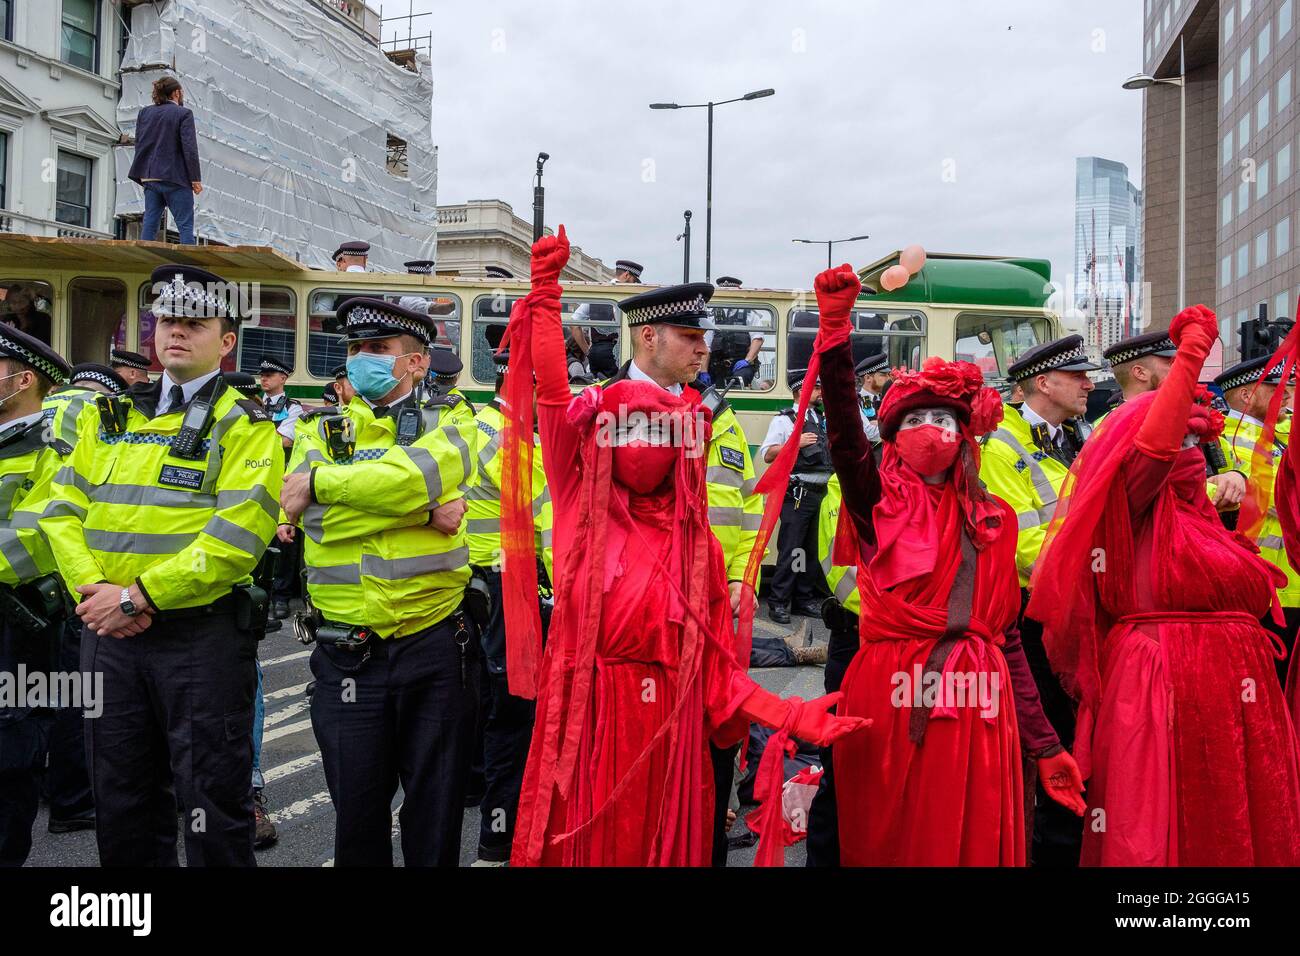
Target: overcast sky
(875, 102)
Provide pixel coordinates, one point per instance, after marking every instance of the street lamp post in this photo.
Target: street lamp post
(686, 252)
(830, 244)
(1141, 82)
(708, 210)
(539, 198)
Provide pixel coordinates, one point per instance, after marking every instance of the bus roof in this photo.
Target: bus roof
(68, 252)
(974, 280)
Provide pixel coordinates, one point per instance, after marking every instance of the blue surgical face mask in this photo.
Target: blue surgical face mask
(372, 375)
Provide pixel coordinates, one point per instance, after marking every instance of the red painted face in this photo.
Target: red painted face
(642, 467)
(928, 449)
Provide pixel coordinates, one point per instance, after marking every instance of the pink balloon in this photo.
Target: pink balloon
(912, 259)
(895, 277)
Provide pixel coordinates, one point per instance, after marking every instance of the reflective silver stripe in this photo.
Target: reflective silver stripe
(750, 521)
(152, 495)
(24, 520)
(489, 451)
(338, 574)
(399, 569)
(232, 534)
(10, 485)
(726, 517)
(313, 522)
(1271, 541)
(747, 487)
(847, 585)
(1032, 519)
(483, 526)
(133, 542)
(1042, 484)
(483, 491)
(544, 498)
(722, 475)
(68, 476)
(62, 508)
(546, 538)
(18, 558)
(258, 493)
(456, 438)
(71, 412)
(428, 465)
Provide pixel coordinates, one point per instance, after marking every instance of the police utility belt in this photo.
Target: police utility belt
(33, 607)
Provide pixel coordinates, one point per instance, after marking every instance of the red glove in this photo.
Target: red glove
(814, 723)
(550, 254)
(1194, 329)
(1061, 779)
(837, 291)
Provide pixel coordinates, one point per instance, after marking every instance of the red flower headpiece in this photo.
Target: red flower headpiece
(958, 385)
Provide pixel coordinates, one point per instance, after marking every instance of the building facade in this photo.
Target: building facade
(58, 126)
(1107, 251)
(486, 232)
(1242, 63)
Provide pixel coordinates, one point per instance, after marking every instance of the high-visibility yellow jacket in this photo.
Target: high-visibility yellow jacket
(483, 499)
(124, 509)
(373, 559)
(735, 511)
(65, 409)
(28, 462)
(1240, 433)
(1025, 477)
(843, 581)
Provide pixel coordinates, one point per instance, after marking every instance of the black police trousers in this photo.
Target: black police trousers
(796, 544)
(67, 779)
(398, 711)
(24, 741)
(823, 843)
(176, 728)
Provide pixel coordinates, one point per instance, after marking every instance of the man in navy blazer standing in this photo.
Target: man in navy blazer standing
(166, 161)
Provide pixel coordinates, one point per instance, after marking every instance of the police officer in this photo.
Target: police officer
(668, 326)
(351, 256)
(29, 634)
(873, 375)
(445, 367)
(840, 614)
(506, 721)
(378, 489)
(273, 373)
(1248, 394)
(797, 576)
(596, 346)
(65, 406)
(1024, 463)
(157, 521)
(418, 267)
(733, 354)
(132, 366)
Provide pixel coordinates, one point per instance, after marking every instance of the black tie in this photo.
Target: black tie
(177, 398)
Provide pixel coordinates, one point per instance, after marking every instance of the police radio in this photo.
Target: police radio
(340, 436)
(410, 425)
(188, 442)
(113, 412)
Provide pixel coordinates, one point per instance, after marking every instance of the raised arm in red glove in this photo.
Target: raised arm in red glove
(1161, 436)
(837, 292)
(550, 253)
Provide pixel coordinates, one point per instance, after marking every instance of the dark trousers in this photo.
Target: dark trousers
(724, 768)
(1058, 833)
(176, 727)
(1287, 632)
(24, 741)
(288, 580)
(770, 652)
(405, 716)
(67, 781)
(798, 574)
(823, 843)
(507, 732)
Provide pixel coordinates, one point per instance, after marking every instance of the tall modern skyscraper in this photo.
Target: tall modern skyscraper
(1107, 251)
(1241, 60)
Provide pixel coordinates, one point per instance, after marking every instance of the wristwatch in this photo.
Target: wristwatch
(127, 605)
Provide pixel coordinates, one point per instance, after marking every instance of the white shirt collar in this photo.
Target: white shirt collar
(397, 401)
(187, 390)
(1233, 413)
(634, 372)
(22, 422)
(1034, 418)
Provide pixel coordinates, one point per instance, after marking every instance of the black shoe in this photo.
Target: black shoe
(808, 609)
(72, 824)
(779, 613)
(311, 687)
(280, 609)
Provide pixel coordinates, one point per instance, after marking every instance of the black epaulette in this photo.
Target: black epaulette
(61, 448)
(318, 412)
(450, 400)
(254, 410)
(789, 413)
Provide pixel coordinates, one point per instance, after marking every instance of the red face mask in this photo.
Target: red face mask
(928, 449)
(642, 467)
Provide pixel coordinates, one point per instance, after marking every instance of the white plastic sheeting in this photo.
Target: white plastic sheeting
(293, 111)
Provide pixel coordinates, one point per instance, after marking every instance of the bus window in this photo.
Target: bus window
(742, 334)
(994, 342)
(96, 319)
(25, 304)
(900, 335)
(592, 337)
(269, 330)
(325, 348)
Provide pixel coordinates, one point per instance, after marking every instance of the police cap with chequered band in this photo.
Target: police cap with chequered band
(188, 291)
(686, 306)
(419, 267)
(444, 364)
(126, 359)
(794, 378)
(272, 364)
(35, 354)
(634, 269)
(1140, 346)
(353, 248)
(1247, 373)
(363, 318)
(243, 383)
(100, 375)
(1064, 355)
(872, 363)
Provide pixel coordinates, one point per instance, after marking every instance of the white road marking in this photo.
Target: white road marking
(300, 807)
(280, 716)
(280, 771)
(286, 730)
(287, 657)
(284, 692)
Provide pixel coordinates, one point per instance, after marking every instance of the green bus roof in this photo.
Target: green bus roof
(966, 280)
